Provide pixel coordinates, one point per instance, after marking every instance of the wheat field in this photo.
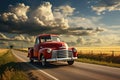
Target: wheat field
(99, 50)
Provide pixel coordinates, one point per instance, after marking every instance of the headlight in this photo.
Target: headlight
(74, 50)
(49, 50)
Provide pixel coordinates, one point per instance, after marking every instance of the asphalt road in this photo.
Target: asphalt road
(77, 71)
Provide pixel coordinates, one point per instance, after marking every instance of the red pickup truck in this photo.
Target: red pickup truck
(49, 48)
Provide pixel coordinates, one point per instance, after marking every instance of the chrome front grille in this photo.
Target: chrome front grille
(61, 54)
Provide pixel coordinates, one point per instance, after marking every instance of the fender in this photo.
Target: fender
(30, 52)
(44, 52)
(74, 51)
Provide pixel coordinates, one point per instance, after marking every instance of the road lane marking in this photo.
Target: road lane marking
(54, 78)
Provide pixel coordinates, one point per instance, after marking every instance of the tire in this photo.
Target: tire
(70, 62)
(43, 61)
(31, 60)
(31, 55)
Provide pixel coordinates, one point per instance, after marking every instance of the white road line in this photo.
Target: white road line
(54, 78)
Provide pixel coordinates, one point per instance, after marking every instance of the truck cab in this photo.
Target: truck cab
(49, 48)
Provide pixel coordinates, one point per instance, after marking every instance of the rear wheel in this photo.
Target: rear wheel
(31, 60)
(70, 62)
(31, 55)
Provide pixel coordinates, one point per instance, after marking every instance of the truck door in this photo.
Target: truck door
(36, 47)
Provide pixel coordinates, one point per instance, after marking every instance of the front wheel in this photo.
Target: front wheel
(43, 61)
(70, 62)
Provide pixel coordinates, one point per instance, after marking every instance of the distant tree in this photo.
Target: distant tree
(11, 46)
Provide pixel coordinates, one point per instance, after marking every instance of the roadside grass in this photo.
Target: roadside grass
(91, 61)
(10, 69)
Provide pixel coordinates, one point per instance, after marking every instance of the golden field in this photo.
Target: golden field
(2, 51)
(99, 50)
(107, 54)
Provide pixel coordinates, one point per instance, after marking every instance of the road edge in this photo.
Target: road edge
(49, 75)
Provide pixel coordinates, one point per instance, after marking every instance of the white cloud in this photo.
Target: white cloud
(58, 14)
(2, 36)
(32, 38)
(17, 13)
(23, 37)
(85, 26)
(82, 22)
(44, 16)
(100, 9)
(100, 29)
(109, 38)
(38, 21)
(60, 19)
(21, 11)
(65, 10)
(9, 16)
(19, 37)
(101, 40)
(62, 22)
(43, 13)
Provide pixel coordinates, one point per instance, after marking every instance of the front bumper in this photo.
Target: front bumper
(62, 59)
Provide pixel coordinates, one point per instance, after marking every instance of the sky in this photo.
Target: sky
(78, 22)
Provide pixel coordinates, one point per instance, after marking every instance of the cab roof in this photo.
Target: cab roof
(43, 35)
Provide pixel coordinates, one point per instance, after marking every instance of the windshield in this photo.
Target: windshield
(55, 38)
(50, 38)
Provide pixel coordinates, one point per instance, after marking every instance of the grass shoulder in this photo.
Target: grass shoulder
(91, 61)
(23, 50)
(10, 69)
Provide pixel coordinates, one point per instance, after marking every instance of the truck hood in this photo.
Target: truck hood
(54, 45)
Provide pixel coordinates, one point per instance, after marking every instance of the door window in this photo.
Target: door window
(37, 41)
